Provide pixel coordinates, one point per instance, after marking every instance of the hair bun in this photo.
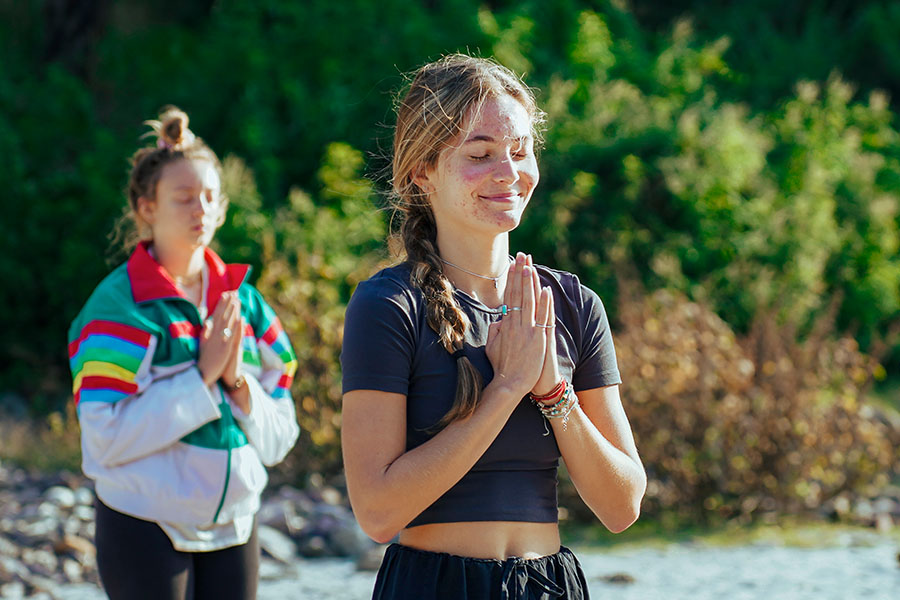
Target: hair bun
(172, 129)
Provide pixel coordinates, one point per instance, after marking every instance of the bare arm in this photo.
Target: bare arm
(600, 454)
(390, 486)
(597, 444)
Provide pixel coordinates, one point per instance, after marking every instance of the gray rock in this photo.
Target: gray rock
(61, 496)
(48, 510)
(313, 547)
(7, 548)
(619, 578)
(331, 496)
(37, 584)
(72, 570)
(370, 560)
(863, 510)
(884, 523)
(41, 562)
(84, 496)
(12, 569)
(276, 544)
(348, 539)
(884, 504)
(83, 512)
(271, 569)
(35, 532)
(72, 525)
(76, 546)
(281, 515)
(12, 591)
(301, 502)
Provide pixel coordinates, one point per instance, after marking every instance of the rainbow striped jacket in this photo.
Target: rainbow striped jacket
(159, 444)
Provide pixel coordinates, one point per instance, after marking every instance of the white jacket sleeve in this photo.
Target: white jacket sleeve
(148, 421)
(271, 427)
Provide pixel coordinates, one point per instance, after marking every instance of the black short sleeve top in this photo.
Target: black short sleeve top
(388, 346)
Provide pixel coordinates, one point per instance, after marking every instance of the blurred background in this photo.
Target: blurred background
(725, 175)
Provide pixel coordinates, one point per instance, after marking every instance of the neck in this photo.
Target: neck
(181, 266)
(487, 257)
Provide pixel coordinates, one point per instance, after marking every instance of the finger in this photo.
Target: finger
(507, 289)
(552, 309)
(536, 283)
(237, 338)
(528, 273)
(230, 311)
(221, 305)
(493, 332)
(516, 292)
(542, 315)
(206, 328)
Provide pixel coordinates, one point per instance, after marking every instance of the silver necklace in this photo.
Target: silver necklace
(494, 279)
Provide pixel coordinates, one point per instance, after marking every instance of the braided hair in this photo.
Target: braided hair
(443, 97)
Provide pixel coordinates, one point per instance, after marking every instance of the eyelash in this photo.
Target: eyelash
(519, 155)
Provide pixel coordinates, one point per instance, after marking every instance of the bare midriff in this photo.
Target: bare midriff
(485, 539)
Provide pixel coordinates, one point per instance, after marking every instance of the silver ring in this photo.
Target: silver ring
(512, 308)
(226, 333)
(545, 326)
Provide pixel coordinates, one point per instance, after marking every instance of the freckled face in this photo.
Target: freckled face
(482, 183)
(187, 208)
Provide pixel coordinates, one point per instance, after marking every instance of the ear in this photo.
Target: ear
(146, 209)
(421, 177)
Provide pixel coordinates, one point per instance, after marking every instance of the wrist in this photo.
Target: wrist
(235, 383)
(208, 380)
(549, 396)
(506, 388)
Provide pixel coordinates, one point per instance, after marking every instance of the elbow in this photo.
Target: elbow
(623, 520)
(376, 526)
(377, 520)
(626, 514)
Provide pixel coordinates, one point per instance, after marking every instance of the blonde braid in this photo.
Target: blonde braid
(445, 317)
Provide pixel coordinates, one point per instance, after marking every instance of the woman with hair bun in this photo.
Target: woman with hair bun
(182, 378)
(467, 372)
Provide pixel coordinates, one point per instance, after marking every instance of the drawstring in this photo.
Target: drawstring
(518, 574)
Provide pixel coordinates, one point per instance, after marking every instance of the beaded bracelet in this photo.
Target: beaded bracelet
(561, 409)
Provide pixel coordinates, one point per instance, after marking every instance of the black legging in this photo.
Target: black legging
(136, 560)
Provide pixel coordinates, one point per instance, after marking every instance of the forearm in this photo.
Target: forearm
(610, 482)
(403, 489)
(269, 423)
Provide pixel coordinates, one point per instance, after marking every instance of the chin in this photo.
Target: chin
(506, 222)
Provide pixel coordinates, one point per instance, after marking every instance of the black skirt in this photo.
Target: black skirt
(411, 574)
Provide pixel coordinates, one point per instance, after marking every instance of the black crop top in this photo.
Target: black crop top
(388, 346)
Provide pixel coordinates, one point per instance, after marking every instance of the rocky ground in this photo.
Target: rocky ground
(313, 549)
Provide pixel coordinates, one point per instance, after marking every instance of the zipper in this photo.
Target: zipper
(226, 410)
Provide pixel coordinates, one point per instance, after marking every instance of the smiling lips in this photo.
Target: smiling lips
(502, 197)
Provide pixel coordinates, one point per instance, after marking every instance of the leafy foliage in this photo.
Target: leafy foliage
(742, 173)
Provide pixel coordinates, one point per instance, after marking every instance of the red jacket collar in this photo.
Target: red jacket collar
(150, 281)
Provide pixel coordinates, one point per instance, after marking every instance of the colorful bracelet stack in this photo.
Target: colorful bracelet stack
(558, 404)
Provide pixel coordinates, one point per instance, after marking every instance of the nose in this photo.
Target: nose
(506, 170)
(204, 203)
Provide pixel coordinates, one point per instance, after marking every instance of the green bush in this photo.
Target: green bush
(313, 252)
(737, 426)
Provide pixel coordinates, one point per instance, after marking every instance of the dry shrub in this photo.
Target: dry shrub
(732, 427)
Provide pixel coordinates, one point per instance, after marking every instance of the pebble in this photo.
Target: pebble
(313, 548)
